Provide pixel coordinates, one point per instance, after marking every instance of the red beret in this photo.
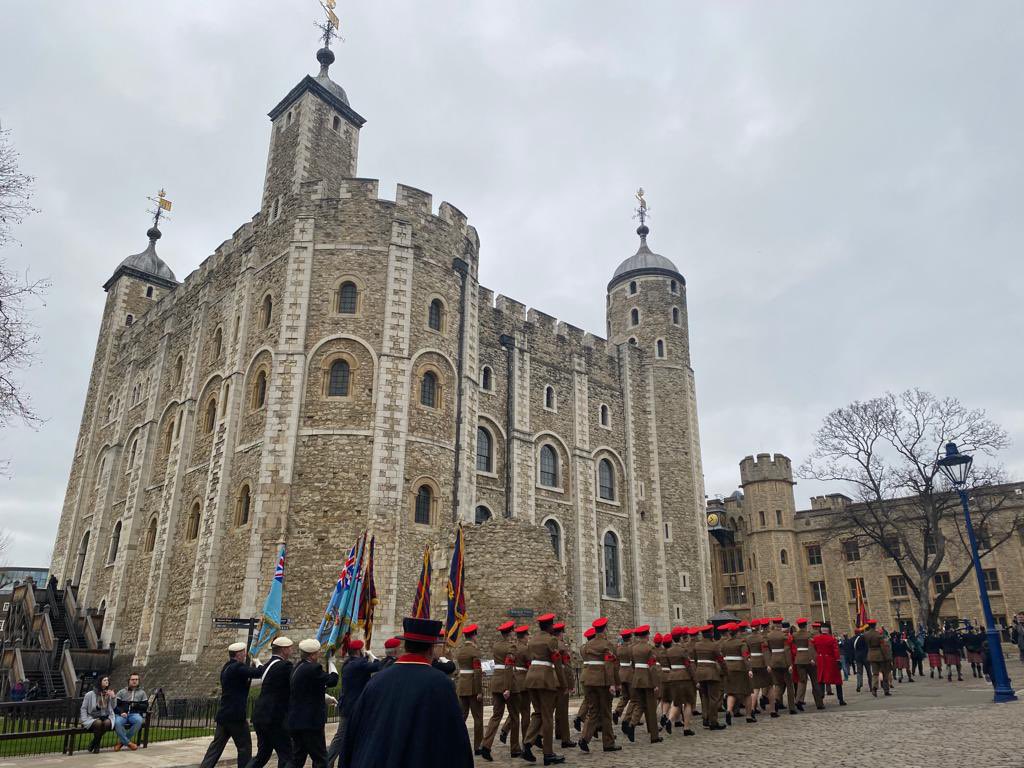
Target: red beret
(626, 633)
(589, 632)
(558, 626)
(643, 629)
(508, 626)
(707, 628)
(777, 619)
(523, 629)
(657, 638)
(470, 629)
(678, 631)
(392, 642)
(544, 618)
(355, 645)
(601, 622)
(872, 622)
(691, 630)
(743, 625)
(801, 620)
(816, 625)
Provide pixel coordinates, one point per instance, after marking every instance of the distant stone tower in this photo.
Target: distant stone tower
(767, 484)
(646, 315)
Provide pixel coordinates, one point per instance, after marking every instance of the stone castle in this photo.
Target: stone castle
(336, 367)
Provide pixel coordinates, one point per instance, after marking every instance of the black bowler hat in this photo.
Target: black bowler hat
(421, 630)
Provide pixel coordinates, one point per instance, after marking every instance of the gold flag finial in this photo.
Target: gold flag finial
(641, 211)
(162, 205)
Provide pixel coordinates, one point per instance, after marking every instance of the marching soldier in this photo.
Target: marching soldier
(235, 677)
(581, 711)
(680, 681)
(271, 708)
(646, 686)
(624, 654)
(543, 682)
(307, 710)
(565, 676)
(874, 660)
(503, 691)
(600, 682)
(886, 665)
(470, 684)
(762, 679)
(806, 666)
(738, 673)
(710, 667)
(782, 668)
(519, 692)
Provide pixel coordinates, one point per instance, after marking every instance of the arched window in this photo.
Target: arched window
(612, 588)
(634, 316)
(428, 390)
(348, 297)
(769, 589)
(549, 398)
(673, 286)
(192, 531)
(259, 390)
(218, 343)
(149, 291)
(555, 531)
(484, 451)
(632, 287)
(338, 380)
(660, 348)
(485, 379)
(267, 313)
(110, 408)
(675, 315)
(168, 437)
(783, 557)
(83, 550)
(179, 369)
(548, 467)
(606, 480)
(242, 508)
(211, 415)
(435, 315)
(115, 542)
(424, 503)
(129, 320)
(336, 123)
(150, 543)
(482, 515)
(605, 418)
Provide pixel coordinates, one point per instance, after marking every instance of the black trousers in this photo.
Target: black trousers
(238, 732)
(311, 743)
(271, 739)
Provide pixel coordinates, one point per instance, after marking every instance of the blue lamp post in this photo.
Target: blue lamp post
(956, 466)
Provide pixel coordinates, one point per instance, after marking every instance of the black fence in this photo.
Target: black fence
(52, 725)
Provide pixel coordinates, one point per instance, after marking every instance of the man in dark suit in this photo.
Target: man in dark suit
(235, 677)
(355, 674)
(271, 709)
(860, 657)
(307, 709)
(409, 714)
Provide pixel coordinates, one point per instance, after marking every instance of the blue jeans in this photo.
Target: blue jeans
(134, 722)
(846, 667)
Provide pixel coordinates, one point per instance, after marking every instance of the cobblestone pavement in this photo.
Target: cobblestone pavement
(927, 723)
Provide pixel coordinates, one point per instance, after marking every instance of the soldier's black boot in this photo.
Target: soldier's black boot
(688, 732)
(583, 745)
(528, 754)
(577, 724)
(503, 736)
(553, 759)
(613, 748)
(800, 706)
(485, 753)
(728, 718)
(568, 744)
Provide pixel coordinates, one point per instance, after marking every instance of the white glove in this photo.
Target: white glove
(330, 700)
(370, 654)
(330, 665)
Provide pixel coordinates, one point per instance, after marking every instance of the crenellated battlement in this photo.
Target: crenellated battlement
(766, 467)
(532, 319)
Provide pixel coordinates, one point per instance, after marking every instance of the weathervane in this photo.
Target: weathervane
(641, 212)
(162, 205)
(330, 26)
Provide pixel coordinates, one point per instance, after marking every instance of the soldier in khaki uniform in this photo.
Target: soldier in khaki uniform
(762, 679)
(782, 668)
(684, 690)
(543, 681)
(710, 668)
(624, 653)
(806, 666)
(600, 679)
(738, 672)
(873, 638)
(470, 683)
(661, 644)
(565, 678)
(646, 685)
(885, 668)
(503, 691)
(519, 692)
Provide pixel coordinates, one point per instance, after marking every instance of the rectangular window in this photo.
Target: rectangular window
(736, 595)
(851, 551)
(992, 580)
(853, 588)
(898, 586)
(941, 581)
(761, 513)
(982, 536)
(732, 559)
(814, 554)
(891, 546)
(684, 582)
(929, 544)
(668, 531)
(678, 610)
(778, 517)
(818, 592)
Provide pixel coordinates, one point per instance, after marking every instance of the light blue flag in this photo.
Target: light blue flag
(349, 592)
(270, 622)
(330, 619)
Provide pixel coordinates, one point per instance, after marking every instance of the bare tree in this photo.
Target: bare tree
(17, 334)
(885, 450)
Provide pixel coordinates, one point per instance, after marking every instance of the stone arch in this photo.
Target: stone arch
(563, 483)
(618, 469)
(262, 361)
(354, 409)
(556, 531)
(337, 299)
(424, 508)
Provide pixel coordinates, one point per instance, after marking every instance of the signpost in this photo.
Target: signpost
(520, 613)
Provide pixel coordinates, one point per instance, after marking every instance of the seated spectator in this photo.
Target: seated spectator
(19, 691)
(129, 712)
(98, 711)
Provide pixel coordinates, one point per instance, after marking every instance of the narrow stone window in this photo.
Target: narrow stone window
(179, 369)
(549, 398)
(348, 298)
(129, 320)
(435, 315)
(484, 451)
(634, 316)
(612, 587)
(149, 291)
(769, 589)
(428, 390)
(242, 508)
(548, 467)
(632, 287)
(115, 543)
(660, 348)
(211, 415)
(259, 391)
(424, 502)
(131, 454)
(218, 343)
(336, 123)
(486, 377)
(784, 557)
(150, 542)
(192, 531)
(555, 532)
(267, 313)
(339, 378)
(675, 315)
(673, 286)
(605, 418)
(606, 480)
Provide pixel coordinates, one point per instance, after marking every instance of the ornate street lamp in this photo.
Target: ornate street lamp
(956, 466)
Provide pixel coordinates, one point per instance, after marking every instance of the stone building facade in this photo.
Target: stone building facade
(336, 367)
(790, 562)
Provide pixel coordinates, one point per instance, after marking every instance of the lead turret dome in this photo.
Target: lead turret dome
(644, 262)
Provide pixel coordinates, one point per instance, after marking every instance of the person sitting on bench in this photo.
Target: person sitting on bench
(130, 711)
(97, 712)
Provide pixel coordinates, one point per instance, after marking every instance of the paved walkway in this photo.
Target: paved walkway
(925, 723)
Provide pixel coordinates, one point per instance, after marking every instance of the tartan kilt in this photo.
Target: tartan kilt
(902, 662)
(951, 659)
(974, 657)
(935, 660)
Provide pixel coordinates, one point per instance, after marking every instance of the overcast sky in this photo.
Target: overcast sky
(840, 183)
